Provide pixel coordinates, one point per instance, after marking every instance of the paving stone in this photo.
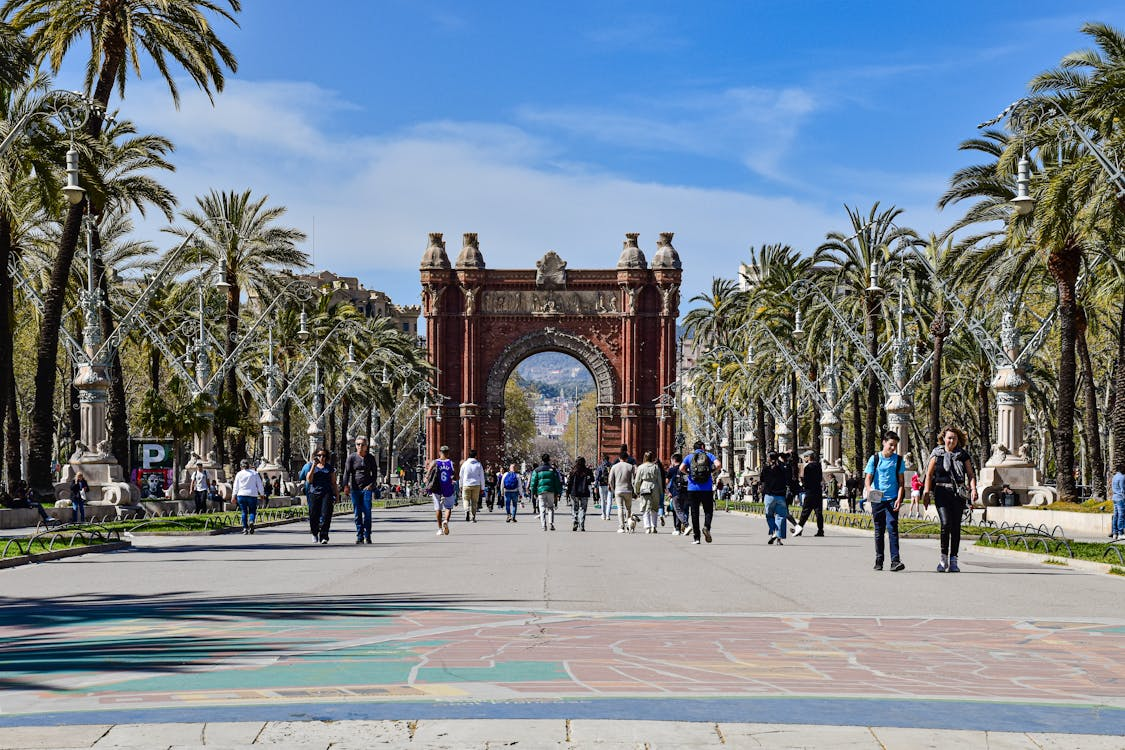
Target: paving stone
(1048, 741)
(152, 735)
(794, 737)
(481, 732)
(33, 738)
(315, 733)
(650, 734)
(896, 738)
(232, 732)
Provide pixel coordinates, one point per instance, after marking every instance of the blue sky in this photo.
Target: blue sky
(564, 125)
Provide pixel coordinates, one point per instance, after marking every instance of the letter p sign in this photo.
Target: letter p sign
(152, 454)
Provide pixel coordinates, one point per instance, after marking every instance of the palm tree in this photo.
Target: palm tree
(850, 259)
(121, 32)
(241, 235)
(15, 57)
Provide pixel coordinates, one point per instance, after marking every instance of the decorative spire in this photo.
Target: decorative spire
(470, 257)
(435, 257)
(631, 255)
(666, 257)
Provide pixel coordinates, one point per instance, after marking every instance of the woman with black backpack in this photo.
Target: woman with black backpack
(578, 487)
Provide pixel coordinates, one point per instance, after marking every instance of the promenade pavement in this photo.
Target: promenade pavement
(608, 640)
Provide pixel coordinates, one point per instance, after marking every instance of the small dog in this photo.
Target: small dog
(631, 524)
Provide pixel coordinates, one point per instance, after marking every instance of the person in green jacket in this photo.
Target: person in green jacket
(546, 485)
(648, 487)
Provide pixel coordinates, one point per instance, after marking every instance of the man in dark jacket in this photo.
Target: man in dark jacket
(776, 479)
(361, 473)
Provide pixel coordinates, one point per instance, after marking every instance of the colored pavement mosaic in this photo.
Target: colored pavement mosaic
(214, 659)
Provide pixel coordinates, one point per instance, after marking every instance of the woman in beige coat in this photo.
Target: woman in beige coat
(648, 487)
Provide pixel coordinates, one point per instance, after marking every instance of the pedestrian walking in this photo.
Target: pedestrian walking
(214, 497)
(545, 486)
(490, 496)
(952, 485)
(677, 493)
(621, 489)
(513, 487)
(200, 483)
(776, 479)
(439, 482)
(579, 486)
(361, 474)
(601, 477)
(648, 487)
(1117, 489)
(247, 491)
(915, 495)
(700, 468)
(323, 491)
(812, 495)
(883, 485)
(471, 481)
(79, 492)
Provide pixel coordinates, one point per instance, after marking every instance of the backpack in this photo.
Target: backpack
(602, 476)
(876, 467)
(700, 468)
(511, 481)
(581, 484)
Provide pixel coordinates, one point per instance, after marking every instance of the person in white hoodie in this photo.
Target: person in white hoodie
(471, 480)
(247, 490)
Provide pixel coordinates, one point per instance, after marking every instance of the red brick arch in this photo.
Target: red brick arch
(619, 323)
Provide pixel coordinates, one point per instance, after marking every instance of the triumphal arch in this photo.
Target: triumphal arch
(619, 322)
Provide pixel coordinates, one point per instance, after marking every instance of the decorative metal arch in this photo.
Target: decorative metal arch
(551, 340)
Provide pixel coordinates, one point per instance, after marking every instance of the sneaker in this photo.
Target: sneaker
(251, 528)
(514, 520)
(552, 527)
(466, 517)
(707, 535)
(953, 565)
(896, 566)
(367, 540)
(819, 533)
(440, 532)
(654, 530)
(621, 530)
(779, 542)
(878, 564)
(695, 541)
(797, 531)
(445, 529)
(474, 519)
(508, 519)
(359, 541)
(574, 527)
(324, 541)
(316, 539)
(245, 532)
(773, 538)
(662, 520)
(943, 564)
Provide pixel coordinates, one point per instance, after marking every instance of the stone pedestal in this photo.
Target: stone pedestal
(1005, 466)
(784, 437)
(830, 433)
(271, 445)
(316, 437)
(900, 419)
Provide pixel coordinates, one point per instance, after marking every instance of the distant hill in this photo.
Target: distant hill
(552, 373)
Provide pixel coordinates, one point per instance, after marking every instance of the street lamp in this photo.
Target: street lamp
(72, 190)
(303, 330)
(1023, 202)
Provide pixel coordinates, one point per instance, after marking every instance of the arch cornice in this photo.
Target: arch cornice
(551, 340)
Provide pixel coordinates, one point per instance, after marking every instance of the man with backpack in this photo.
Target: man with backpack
(511, 484)
(883, 487)
(700, 468)
(578, 486)
(546, 486)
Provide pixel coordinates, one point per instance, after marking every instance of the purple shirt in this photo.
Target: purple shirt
(445, 475)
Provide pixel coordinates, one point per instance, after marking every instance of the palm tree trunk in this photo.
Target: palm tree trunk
(1090, 409)
(1063, 266)
(763, 443)
(13, 445)
(871, 339)
(1119, 394)
(41, 438)
(857, 434)
(814, 374)
(984, 421)
(345, 421)
(154, 369)
(940, 329)
(7, 327)
(286, 438)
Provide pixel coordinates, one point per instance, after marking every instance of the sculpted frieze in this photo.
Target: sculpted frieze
(548, 302)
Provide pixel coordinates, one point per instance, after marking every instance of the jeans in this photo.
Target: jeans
(886, 520)
(361, 503)
(949, 506)
(578, 509)
(812, 503)
(79, 511)
(606, 499)
(547, 508)
(320, 514)
(1119, 516)
(511, 502)
(776, 513)
(706, 499)
(249, 507)
(680, 510)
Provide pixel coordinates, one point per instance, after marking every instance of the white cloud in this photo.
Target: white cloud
(369, 202)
